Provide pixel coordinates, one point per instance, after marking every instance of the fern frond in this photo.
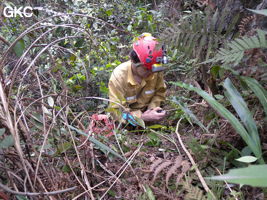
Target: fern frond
(185, 168)
(198, 35)
(262, 38)
(242, 43)
(155, 164)
(234, 51)
(173, 169)
(160, 168)
(193, 192)
(176, 167)
(232, 24)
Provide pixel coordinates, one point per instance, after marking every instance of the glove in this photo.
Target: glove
(129, 118)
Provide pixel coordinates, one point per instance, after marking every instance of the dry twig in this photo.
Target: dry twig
(193, 162)
(36, 193)
(128, 162)
(227, 185)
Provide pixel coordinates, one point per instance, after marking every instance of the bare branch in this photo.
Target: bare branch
(192, 161)
(36, 193)
(4, 40)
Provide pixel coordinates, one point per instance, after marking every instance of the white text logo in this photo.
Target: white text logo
(21, 11)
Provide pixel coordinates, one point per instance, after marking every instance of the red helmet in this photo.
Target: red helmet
(145, 48)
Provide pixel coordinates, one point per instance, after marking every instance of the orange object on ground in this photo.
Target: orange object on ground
(100, 124)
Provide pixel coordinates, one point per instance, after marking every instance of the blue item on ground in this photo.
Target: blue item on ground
(129, 118)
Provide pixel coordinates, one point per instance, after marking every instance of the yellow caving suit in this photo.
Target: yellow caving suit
(137, 97)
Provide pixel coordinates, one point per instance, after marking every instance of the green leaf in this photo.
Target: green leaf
(189, 113)
(156, 126)
(8, 141)
(245, 115)
(2, 131)
(79, 42)
(247, 159)
(259, 91)
(19, 47)
(46, 111)
(130, 27)
(214, 71)
(96, 142)
(154, 140)
(73, 58)
(140, 122)
(153, 136)
(38, 117)
(50, 101)
(66, 169)
(149, 193)
(112, 193)
(21, 197)
(62, 148)
(227, 115)
(109, 12)
(261, 12)
(253, 175)
(246, 151)
(218, 96)
(262, 38)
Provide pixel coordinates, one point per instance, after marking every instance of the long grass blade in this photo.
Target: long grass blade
(259, 91)
(253, 175)
(187, 111)
(226, 114)
(260, 12)
(96, 142)
(245, 115)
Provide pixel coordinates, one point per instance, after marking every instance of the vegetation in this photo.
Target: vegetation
(54, 70)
